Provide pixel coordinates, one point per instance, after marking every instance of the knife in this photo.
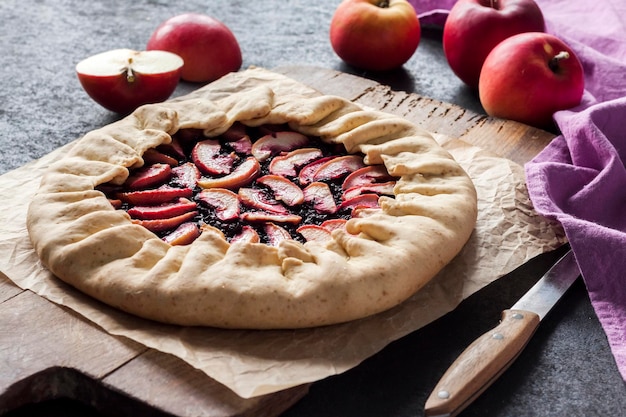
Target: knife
(492, 353)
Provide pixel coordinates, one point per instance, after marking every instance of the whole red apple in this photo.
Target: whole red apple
(122, 79)
(474, 27)
(208, 47)
(528, 77)
(375, 35)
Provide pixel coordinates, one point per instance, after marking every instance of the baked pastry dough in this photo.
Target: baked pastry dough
(380, 259)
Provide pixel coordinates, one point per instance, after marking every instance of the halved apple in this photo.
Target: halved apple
(121, 80)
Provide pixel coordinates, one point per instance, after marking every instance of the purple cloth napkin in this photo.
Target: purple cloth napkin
(580, 178)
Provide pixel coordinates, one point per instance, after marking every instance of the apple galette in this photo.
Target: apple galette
(254, 202)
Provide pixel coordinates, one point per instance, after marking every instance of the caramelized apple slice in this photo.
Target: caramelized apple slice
(258, 199)
(152, 156)
(319, 194)
(115, 202)
(360, 201)
(163, 194)
(206, 155)
(184, 234)
(283, 189)
(333, 224)
(149, 176)
(307, 173)
(286, 165)
(188, 136)
(242, 145)
(313, 232)
(186, 175)
(260, 216)
(162, 225)
(338, 167)
(235, 132)
(241, 176)
(162, 211)
(367, 175)
(277, 142)
(173, 149)
(247, 234)
(225, 202)
(275, 234)
(380, 188)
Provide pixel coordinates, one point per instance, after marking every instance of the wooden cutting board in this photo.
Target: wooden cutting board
(51, 352)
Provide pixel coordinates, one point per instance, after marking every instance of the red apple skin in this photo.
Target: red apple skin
(519, 82)
(116, 94)
(474, 27)
(121, 80)
(208, 47)
(371, 35)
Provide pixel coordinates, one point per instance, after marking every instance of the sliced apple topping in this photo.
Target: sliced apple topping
(223, 201)
(173, 149)
(312, 232)
(152, 156)
(186, 175)
(235, 132)
(247, 234)
(367, 175)
(241, 176)
(258, 199)
(319, 194)
(307, 173)
(162, 211)
(242, 145)
(160, 225)
(338, 167)
(277, 142)
(261, 216)
(208, 158)
(286, 165)
(360, 201)
(275, 234)
(333, 224)
(163, 194)
(150, 176)
(380, 188)
(283, 189)
(184, 234)
(256, 184)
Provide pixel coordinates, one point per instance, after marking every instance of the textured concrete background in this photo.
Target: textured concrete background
(43, 106)
(567, 370)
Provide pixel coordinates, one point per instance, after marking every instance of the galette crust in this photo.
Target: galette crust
(377, 262)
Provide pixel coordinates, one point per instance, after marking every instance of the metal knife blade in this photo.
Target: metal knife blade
(492, 353)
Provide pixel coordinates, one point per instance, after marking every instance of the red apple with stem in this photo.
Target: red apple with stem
(474, 27)
(208, 47)
(121, 80)
(377, 35)
(528, 77)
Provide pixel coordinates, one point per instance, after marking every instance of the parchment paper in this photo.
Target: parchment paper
(508, 233)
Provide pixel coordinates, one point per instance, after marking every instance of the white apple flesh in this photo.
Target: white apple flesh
(121, 80)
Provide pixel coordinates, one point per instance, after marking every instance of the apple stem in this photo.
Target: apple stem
(383, 4)
(130, 76)
(554, 62)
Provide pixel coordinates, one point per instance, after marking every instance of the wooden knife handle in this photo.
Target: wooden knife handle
(481, 363)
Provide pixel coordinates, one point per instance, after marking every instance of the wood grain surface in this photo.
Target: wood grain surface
(51, 352)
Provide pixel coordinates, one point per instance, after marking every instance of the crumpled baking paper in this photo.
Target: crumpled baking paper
(508, 233)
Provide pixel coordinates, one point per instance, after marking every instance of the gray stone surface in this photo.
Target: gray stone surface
(567, 369)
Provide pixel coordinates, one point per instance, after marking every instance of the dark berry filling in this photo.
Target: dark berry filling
(246, 180)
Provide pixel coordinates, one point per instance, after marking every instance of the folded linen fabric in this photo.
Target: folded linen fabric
(580, 178)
